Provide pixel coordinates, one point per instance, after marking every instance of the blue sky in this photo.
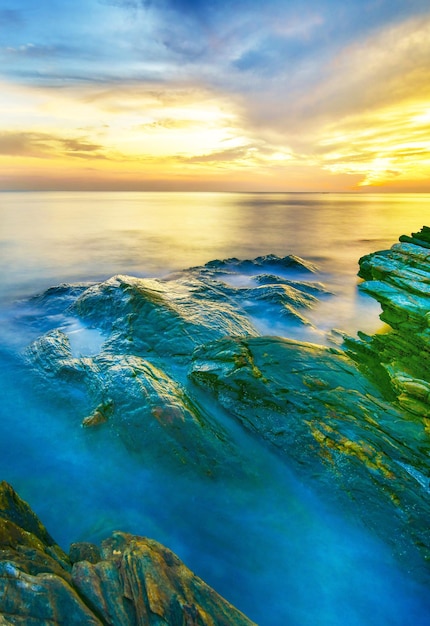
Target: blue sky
(290, 93)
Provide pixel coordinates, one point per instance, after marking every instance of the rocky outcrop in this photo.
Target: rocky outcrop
(130, 581)
(355, 418)
(161, 318)
(136, 384)
(399, 279)
(398, 360)
(329, 421)
(362, 410)
(150, 411)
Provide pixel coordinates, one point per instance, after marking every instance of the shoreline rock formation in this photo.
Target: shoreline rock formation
(130, 581)
(363, 410)
(353, 419)
(138, 381)
(399, 279)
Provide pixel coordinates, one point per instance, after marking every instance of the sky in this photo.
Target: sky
(223, 95)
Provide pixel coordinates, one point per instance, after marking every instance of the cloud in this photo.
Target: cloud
(36, 51)
(221, 157)
(81, 148)
(323, 84)
(244, 35)
(385, 68)
(44, 145)
(173, 124)
(250, 155)
(240, 47)
(389, 142)
(388, 69)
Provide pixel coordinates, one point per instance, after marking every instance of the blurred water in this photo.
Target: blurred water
(280, 551)
(52, 237)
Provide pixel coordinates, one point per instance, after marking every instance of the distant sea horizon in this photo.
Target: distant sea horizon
(47, 227)
(364, 191)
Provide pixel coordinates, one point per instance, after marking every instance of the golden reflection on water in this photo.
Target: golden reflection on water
(78, 235)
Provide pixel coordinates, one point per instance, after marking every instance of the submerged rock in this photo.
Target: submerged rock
(353, 420)
(163, 318)
(152, 413)
(131, 580)
(136, 384)
(329, 421)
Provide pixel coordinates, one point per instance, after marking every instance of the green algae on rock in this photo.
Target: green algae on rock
(137, 383)
(131, 580)
(399, 278)
(328, 420)
(354, 420)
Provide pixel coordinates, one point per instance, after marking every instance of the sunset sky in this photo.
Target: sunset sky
(274, 95)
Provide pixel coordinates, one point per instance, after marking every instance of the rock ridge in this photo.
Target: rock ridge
(131, 581)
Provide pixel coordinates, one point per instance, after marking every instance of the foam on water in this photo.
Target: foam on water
(84, 341)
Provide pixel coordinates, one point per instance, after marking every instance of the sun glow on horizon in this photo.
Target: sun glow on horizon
(384, 146)
(195, 139)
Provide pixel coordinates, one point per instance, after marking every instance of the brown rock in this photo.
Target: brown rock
(137, 582)
(149, 585)
(100, 415)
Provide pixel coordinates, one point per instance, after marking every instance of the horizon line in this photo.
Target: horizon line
(107, 190)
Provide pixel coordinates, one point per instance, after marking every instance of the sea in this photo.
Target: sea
(277, 548)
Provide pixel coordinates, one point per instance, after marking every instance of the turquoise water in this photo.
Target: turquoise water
(278, 549)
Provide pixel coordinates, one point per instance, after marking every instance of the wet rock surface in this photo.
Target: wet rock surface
(329, 421)
(354, 419)
(131, 580)
(399, 279)
(136, 384)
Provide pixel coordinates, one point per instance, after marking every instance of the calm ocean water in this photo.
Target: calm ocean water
(273, 546)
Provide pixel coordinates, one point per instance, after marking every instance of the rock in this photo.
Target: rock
(329, 420)
(399, 279)
(35, 574)
(398, 360)
(52, 354)
(422, 238)
(148, 584)
(152, 413)
(53, 302)
(169, 319)
(41, 599)
(84, 551)
(279, 299)
(133, 580)
(290, 262)
(355, 419)
(314, 287)
(17, 512)
(100, 415)
(137, 384)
